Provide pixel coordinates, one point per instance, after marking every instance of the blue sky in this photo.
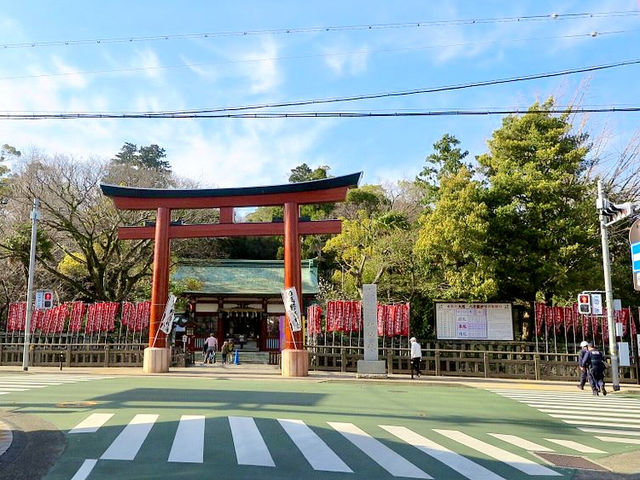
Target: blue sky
(231, 70)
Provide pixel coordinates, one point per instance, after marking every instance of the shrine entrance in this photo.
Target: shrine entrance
(294, 359)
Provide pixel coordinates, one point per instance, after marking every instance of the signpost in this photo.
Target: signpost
(634, 240)
(292, 308)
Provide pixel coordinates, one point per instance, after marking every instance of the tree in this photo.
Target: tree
(150, 157)
(447, 159)
(452, 242)
(543, 234)
(303, 173)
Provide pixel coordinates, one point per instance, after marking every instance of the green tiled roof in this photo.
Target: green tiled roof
(264, 277)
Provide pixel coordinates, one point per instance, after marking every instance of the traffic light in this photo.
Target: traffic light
(584, 304)
(47, 299)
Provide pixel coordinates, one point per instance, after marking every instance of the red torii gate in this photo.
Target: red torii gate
(291, 196)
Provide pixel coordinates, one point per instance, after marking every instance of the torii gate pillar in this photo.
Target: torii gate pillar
(294, 360)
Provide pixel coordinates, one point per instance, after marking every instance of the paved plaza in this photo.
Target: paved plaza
(243, 422)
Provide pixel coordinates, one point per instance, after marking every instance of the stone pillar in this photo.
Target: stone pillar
(370, 366)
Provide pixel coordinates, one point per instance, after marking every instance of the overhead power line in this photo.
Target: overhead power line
(318, 29)
(317, 55)
(334, 114)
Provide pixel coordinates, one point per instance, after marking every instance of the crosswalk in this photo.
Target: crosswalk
(616, 418)
(478, 456)
(22, 383)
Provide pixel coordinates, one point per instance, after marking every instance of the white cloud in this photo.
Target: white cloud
(351, 62)
(148, 60)
(264, 75)
(72, 76)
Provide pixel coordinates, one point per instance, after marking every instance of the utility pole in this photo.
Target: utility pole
(35, 215)
(606, 211)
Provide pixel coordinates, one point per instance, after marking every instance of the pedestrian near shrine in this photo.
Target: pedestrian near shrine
(224, 351)
(582, 367)
(416, 356)
(596, 368)
(211, 344)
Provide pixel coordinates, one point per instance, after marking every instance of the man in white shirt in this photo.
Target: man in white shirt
(416, 356)
(212, 346)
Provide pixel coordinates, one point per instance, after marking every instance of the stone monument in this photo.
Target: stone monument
(370, 366)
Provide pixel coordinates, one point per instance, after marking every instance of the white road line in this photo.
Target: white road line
(578, 398)
(612, 415)
(127, 444)
(188, 443)
(378, 452)
(611, 432)
(12, 389)
(460, 464)
(583, 408)
(30, 385)
(314, 449)
(589, 421)
(249, 444)
(635, 441)
(602, 400)
(92, 423)
(592, 418)
(578, 447)
(521, 442)
(516, 461)
(85, 469)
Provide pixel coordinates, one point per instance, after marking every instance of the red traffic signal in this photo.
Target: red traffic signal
(47, 299)
(584, 303)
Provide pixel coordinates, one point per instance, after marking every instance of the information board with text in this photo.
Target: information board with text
(474, 321)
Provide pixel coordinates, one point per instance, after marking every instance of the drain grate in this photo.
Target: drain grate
(78, 404)
(570, 461)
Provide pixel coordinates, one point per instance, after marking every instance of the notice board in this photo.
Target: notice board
(474, 321)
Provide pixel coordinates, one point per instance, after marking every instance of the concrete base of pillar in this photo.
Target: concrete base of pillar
(371, 369)
(295, 363)
(156, 360)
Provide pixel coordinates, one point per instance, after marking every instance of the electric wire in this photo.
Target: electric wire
(318, 29)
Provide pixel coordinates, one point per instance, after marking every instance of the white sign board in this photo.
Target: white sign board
(167, 318)
(292, 308)
(623, 354)
(39, 299)
(596, 304)
(474, 321)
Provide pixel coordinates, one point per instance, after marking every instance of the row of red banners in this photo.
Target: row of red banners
(100, 317)
(346, 316)
(566, 320)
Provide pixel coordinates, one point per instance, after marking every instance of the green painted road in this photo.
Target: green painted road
(143, 427)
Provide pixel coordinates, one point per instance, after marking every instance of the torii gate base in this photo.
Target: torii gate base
(156, 360)
(294, 363)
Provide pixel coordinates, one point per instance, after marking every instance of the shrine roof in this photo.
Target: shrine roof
(260, 277)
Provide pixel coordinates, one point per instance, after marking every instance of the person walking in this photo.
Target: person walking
(596, 370)
(224, 350)
(212, 347)
(416, 356)
(582, 354)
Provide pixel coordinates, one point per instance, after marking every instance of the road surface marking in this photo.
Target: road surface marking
(127, 444)
(314, 449)
(610, 432)
(635, 441)
(378, 452)
(521, 442)
(188, 443)
(85, 469)
(578, 447)
(92, 423)
(516, 461)
(249, 444)
(460, 464)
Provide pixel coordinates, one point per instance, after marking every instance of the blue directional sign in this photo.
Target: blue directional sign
(635, 256)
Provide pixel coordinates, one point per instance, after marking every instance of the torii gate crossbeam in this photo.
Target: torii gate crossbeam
(290, 196)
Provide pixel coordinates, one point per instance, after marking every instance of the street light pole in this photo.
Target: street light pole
(608, 290)
(35, 214)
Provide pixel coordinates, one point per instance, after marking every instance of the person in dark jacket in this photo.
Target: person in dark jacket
(581, 366)
(596, 367)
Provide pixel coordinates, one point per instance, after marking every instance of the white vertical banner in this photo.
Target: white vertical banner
(292, 307)
(167, 317)
(596, 304)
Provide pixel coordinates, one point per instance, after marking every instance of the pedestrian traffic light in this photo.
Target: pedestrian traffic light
(47, 299)
(584, 304)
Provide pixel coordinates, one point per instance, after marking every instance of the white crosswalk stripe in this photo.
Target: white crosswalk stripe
(516, 461)
(578, 447)
(314, 449)
(391, 461)
(251, 447)
(609, 415)
(460, 464)
(22, 383)
(628, 441)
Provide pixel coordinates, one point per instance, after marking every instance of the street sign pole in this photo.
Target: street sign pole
(32, 266)
(608, 289)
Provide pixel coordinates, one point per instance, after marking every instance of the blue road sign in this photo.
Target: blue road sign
(635, 256)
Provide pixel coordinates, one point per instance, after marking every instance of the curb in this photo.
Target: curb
(6, 437)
